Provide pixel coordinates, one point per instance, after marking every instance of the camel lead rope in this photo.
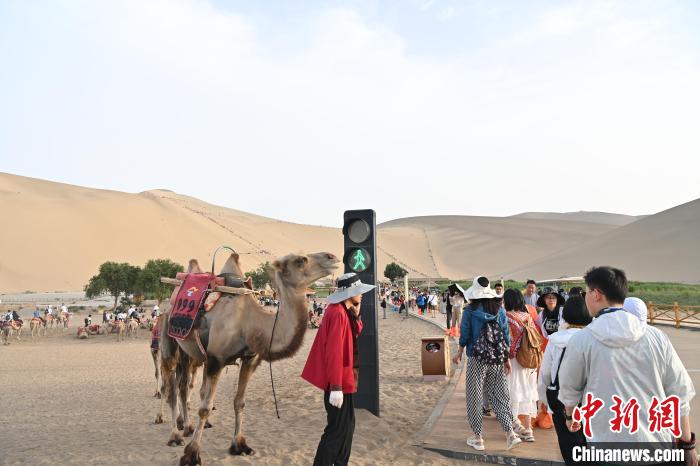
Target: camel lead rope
(269, 351)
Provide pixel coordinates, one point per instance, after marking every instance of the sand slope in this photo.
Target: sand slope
(659, 247)
(55, 236)
(583, 216)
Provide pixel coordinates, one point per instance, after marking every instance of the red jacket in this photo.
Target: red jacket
(330, 362)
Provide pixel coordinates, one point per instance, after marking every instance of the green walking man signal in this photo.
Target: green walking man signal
(358, 260)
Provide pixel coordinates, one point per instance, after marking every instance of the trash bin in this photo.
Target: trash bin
(435, 358)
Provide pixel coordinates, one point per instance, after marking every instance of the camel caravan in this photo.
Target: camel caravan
(217, 321)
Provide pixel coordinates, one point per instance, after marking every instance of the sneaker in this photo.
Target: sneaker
(476, 442)
(525, 434)
(512, 441)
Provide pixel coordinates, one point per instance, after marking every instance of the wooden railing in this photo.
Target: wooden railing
(673, 313)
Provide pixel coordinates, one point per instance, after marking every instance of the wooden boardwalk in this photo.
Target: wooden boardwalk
(448, 429)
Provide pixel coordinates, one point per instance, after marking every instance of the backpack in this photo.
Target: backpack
(490, 347)
(529, 354)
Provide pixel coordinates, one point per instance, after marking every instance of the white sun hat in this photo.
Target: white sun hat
(637, 307)
(477, 291)
(349, 285)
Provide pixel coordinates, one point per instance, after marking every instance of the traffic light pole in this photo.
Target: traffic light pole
(359, 232)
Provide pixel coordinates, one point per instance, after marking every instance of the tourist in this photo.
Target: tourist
(421, 302)
(8, 315)
(637, 307)
(156, 311)
(498, 287)
(447, 299)
(616, 355)
(485, 335)
(522, 381)
(575, 316)
(457, 301)
(530, 296)
(333, 366)
(432, 303)
(564, 294)
(551, 303)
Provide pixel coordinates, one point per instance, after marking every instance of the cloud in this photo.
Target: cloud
(447, 13)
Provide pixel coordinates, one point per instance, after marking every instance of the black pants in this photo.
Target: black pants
(448, 314)
(336, 441)
(567, 439)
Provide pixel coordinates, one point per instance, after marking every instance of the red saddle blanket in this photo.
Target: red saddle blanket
(187, 303)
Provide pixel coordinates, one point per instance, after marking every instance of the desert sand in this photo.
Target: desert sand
(71, 401)
(56, 236)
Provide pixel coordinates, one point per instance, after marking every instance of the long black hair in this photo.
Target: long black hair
(490, 305)
(513, 300)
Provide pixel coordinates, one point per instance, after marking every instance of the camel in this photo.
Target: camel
(121, 329)
(36, 326)
(50, 318)
(132, 328)
(239, 330)
(5, 332)
(16, 327)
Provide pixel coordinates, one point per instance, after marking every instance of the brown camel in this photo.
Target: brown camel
(132, 328)
(120, 325)
(5, 331)
(36, 326)
(50, 320)
(156, 364)
(16, 327)
(239, 330)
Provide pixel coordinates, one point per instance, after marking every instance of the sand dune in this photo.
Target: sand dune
(660, 247)
(583, 216)
(55, 236)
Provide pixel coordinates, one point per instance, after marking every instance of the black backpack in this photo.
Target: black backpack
(490, 347)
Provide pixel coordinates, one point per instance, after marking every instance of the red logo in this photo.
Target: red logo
(665, 415)
(587, 412)
(627, 416)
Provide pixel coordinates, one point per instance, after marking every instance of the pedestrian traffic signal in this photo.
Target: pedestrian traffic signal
(360, 251)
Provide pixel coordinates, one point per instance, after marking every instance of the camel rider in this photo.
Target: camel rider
(37, 315)
(8, 316)
(16, 318)
(332, 366)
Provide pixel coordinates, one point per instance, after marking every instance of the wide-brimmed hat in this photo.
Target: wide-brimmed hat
(477, 291)
(455, 288)
(549, 290)
(349, 285)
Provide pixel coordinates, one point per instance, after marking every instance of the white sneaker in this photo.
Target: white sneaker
(476, 442)
(512, 441)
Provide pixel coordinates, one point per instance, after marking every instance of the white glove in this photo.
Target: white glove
(336, 399)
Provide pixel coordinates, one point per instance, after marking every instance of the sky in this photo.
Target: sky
(301, 110)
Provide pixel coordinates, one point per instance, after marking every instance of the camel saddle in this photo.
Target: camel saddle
(196, 294)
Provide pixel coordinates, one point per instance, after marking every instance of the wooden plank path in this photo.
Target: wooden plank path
(450, 429)
(447, 429)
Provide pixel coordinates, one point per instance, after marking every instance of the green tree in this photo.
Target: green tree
(150, 277)
(261, 275)
(115, 278)
(393, 271)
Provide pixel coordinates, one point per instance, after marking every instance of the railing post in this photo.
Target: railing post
(650, 308)
(677, 312)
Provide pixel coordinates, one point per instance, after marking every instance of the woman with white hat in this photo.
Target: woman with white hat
(486, 337)
(333, 364)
